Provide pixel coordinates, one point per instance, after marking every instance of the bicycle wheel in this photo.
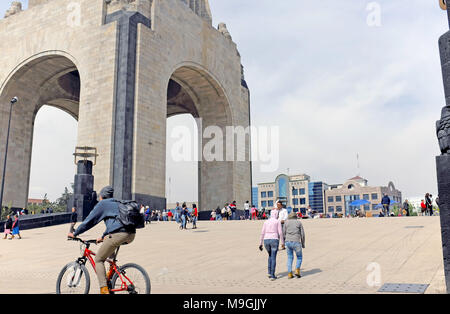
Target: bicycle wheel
(135, 277)
(73, 279)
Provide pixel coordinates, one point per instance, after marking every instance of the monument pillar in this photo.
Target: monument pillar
(443, 161)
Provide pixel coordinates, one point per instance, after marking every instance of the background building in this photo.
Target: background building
(339, 197)
(254, 196)
(294, 191)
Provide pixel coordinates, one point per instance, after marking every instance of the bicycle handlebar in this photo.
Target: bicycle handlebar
(83, 241)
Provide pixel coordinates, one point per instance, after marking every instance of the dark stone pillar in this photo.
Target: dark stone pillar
(84, 196)
(443, 161)
(443, 176)
(124, 99)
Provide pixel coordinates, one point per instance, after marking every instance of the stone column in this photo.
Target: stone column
(443, 161)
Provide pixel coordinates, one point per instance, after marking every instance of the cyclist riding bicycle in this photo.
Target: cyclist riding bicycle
(116, 234)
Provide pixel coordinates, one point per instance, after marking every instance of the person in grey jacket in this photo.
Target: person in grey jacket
(294, 237)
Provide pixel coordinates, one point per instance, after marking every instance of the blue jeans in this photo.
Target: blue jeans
(272, 248)
(218, 217)
(292, 247)
(183, 221)
(177, 217)
(194, 221)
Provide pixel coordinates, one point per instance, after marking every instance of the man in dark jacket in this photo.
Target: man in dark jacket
(386, 201)
(406, 207)
(116, 234)
(73, 219)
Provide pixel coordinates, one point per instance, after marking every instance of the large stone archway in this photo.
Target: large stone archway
(47, 79)
(121, 67)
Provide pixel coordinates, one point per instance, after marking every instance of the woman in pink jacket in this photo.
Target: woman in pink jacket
(271, 236)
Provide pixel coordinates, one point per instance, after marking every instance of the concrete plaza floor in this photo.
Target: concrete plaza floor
(223, 257)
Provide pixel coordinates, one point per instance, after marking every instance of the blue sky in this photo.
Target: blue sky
(334, 85)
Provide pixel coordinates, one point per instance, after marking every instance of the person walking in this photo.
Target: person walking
(194, 216)
(73, 220)
(225, 212)
(423, 207)
(247, 210)
(386, 201)
(218, 214)
(147, 215)
(178, 213)
(294, 236)
(183, 214)
(16, 227)
(271, 236)
(8, 227)
(429, 203)
(406, 208)
(233, 210)
(253, 211)
(282, 212)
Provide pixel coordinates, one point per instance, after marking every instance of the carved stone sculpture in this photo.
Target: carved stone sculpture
(16, 7)
(223, 29)
(443, 131)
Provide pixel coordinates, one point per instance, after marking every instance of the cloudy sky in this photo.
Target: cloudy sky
(339, 78)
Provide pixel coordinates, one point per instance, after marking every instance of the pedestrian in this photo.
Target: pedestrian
(170, 215)
(147, 215)
(271, 236)
(15, 227)
(233, 210)
(282, 212)
(194, 216)
(429, 203)
(386, 201)
(423, 208)
(213, 215)
(184, 217)
(294, 237)
(247, 210)
(165, 215)
(218, 214)
(229, 213)
(406, 207)
(253, 211)
(73, 220)
(8, 227)
(225, 212)
(178, 213)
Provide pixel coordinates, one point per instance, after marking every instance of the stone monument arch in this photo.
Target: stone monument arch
(121, 68)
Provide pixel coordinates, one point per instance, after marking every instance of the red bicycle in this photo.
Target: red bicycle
(74, 277)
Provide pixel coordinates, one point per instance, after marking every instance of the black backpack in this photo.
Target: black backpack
(130, 215)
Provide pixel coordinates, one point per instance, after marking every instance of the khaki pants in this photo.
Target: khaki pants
(110, 244)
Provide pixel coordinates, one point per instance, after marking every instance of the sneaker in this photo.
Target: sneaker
(290, 275)
(273, 278)
(297, 273)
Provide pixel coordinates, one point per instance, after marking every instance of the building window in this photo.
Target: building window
(338, 198)
(331, 209)
(302, 191)
(330, 199)
(270, 204)
(294, 192)
(374, 196)
(374, 206)
(366, 197)
(303, 201)
(263, 194)
(338, 208)
(263, 204)
(367, 207)
(270, 194)
(295, 201)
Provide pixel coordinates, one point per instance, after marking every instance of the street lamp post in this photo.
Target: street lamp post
(13, 101)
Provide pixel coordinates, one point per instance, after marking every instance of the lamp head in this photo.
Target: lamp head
(14, 100)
